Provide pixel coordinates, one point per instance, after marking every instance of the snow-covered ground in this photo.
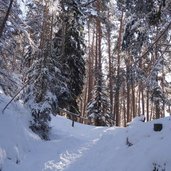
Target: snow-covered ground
(82, 148)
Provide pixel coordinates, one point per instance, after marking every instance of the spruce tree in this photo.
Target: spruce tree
(98, 107)
(71, 51)
(43, 78)
(45, 85)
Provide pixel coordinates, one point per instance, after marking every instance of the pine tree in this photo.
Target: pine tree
(44, 81)
(71, 52)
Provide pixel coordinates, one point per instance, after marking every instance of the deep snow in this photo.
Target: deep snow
(82, 148)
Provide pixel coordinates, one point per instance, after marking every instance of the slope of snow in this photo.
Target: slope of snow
(82, 148)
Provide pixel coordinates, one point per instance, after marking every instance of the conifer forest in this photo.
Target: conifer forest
(97, 62)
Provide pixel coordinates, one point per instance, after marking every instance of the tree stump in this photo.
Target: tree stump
(158, 127)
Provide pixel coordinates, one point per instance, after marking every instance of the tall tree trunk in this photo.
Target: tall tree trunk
(110, 68)
(84, 101)
(143, 102)
(157, 105)
(147, 110)
(116, 105)
(162, 84)
(98, 65)
(90, 63)
(47, 27)
(128, 92)
(133, 100)
(139, 99)
(124, 110)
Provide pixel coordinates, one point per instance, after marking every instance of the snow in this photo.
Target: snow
(81, 148)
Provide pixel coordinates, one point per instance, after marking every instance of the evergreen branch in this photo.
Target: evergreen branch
(88, 3)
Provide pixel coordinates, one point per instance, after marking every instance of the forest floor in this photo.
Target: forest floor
(81, 148)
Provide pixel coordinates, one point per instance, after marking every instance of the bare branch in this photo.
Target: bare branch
(158, 38)
(13, 98)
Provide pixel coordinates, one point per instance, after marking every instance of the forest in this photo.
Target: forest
(97, 62)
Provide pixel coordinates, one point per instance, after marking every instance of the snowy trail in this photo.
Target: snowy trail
(22, 150)
(111, 151)
(68, 158)
(74, 151)
(82, 148)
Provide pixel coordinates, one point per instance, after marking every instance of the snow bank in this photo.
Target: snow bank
(82, 148)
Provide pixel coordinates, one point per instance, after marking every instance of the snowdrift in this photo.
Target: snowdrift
(82, 148)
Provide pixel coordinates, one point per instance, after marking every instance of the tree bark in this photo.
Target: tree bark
(90, 64)
(148, 115)
(116, 106)
(110, 68)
